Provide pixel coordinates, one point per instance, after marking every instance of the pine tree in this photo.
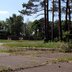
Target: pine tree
(59, 25)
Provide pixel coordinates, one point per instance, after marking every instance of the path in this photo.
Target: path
(34, 63)
(29, 63)
(59, 67)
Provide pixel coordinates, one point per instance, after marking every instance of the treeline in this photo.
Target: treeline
(43, 28)
(15, 28)
(57, 8)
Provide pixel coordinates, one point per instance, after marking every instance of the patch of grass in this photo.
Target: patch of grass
(66, 47)
(28, 44)
(64, 59)
(7, 41)
(3, 51)
(33, 44)
(5, 69)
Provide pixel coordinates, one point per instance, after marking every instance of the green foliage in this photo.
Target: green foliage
(37, 29)
(59, 46)
(67, 47)
(63, 59)
(2, 25)
(34, 44)
(32, 7)
(66, 35)
(15, 24)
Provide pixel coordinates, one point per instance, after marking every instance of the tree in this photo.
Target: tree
(34, 6)
(46, 17)
(37, 27)
(3, 25)
(52, 32)
(31, 7)
(68, 10)
(15, 24)
(57, 8)
(59, 25)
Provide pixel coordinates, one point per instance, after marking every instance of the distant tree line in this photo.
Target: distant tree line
(15, 28)
(12, 26)
(43, 28)
(59, 7)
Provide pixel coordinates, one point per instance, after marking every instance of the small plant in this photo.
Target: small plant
(64, 59)
(67, 47)
(70, 46)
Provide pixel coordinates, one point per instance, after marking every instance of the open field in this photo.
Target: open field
(22, 56)
(33, 61)
(29, 43)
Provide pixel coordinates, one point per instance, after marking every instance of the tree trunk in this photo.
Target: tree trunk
(69, 16)
(59, 25)
(46, 38)
(52, 35)
(66, 15)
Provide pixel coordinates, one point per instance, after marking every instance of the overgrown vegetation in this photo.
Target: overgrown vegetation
(64, 59)
(67, 47)
(34, 44)
(19, 45)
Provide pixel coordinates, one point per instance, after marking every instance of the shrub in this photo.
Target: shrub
(67, 47)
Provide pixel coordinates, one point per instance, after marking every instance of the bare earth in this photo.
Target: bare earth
(35, 63)
(65, 67)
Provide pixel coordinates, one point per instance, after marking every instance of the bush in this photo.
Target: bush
(3, 34)
(13, 37)
(67, 47)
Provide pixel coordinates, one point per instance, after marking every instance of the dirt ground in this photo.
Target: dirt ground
(28, 63)
(35, 62)
(64, 67)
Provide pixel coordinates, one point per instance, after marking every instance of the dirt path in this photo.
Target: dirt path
(59, 67)
(29, 63)
(34, 61)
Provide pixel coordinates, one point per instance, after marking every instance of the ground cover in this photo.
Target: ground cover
(24, 56)
(29, 43)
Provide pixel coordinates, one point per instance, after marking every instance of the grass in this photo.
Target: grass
(63, 59)
(33, 44)
(6, 41)
(16, 45)
(19, 46)
(6, 70)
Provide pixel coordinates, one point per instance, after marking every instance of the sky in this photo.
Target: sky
(9, 7)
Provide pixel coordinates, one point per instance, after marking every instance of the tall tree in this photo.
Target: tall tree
(15, 24)
(31, 8)
(59, 24)
(67, 11)
(67, 2)
(46, 16)
(52, 32)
